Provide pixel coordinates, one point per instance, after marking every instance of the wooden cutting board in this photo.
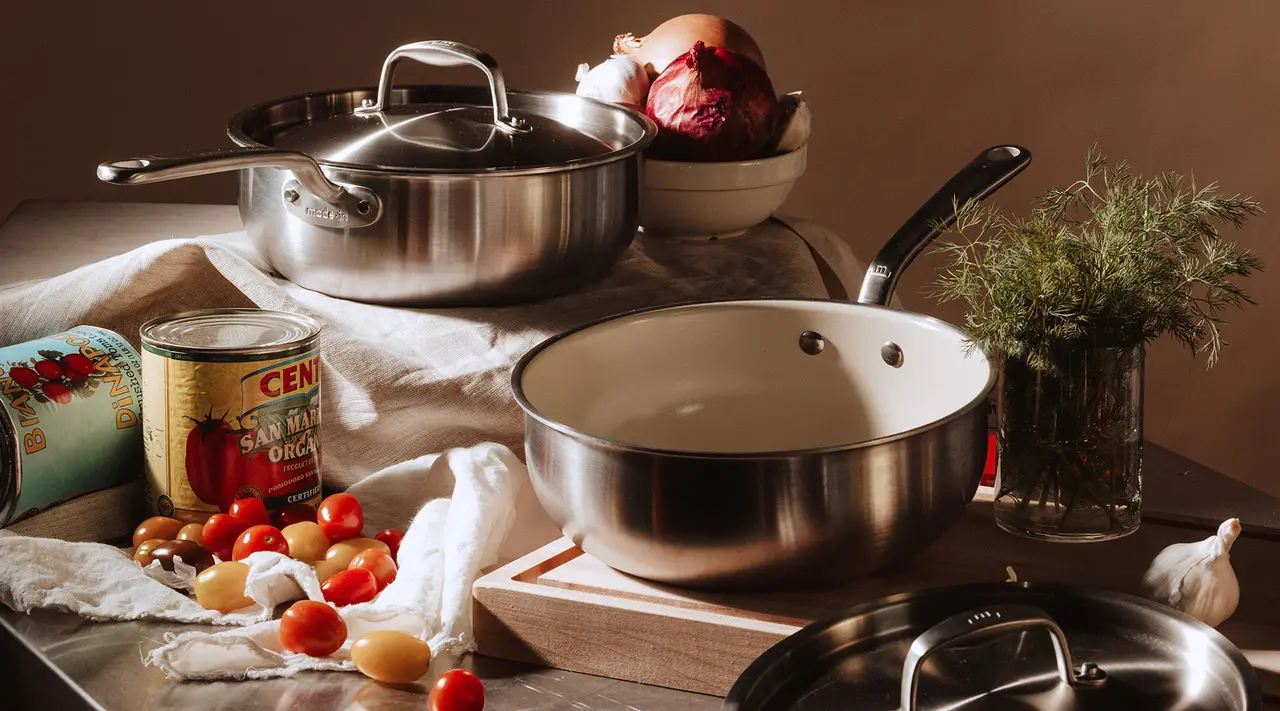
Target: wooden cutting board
(562, 608)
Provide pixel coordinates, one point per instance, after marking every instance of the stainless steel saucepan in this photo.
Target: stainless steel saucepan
(768, 442)
(430, 195)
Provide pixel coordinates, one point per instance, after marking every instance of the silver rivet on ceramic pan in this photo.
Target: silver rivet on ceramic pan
(812, 342)
(892, 354)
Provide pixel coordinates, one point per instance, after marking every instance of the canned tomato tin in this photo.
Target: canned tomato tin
(233, 410)
(70, 423)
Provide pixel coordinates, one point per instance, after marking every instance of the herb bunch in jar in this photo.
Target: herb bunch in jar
(1065, 299)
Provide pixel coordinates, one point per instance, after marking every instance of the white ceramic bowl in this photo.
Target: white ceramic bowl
(715, 199)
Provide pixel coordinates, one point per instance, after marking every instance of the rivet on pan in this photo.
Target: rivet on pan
(291, 195)
(1090, 674)
(892, 354)
(812, 342)
(363, 207)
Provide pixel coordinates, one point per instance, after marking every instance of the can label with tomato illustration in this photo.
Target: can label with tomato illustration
(233, 410)
(71, 419)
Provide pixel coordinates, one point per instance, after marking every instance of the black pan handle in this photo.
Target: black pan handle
(992, 168)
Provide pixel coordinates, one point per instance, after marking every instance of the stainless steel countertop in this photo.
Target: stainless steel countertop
(58, 661)
(102, 662)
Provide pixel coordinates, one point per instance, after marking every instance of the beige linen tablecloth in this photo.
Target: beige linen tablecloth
(400, 383)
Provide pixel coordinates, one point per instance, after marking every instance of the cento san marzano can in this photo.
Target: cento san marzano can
(71, 419)
(233, 410)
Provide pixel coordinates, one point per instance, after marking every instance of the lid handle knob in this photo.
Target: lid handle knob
(444, 53)
(986, 623)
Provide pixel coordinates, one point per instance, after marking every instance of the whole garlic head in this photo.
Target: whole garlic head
(619, 79)
(794, 126)
(1197, 578)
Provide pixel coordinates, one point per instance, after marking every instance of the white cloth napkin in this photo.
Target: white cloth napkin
(101, 582)
(464, 501)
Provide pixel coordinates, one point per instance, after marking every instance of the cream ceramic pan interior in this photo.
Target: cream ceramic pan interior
(732, 378)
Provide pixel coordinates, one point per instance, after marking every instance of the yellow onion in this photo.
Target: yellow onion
(674, 37)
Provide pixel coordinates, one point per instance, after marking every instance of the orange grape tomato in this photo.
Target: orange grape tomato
(307, 542)
(377, 562)
(391, 656)
(221, 587)
(161, 527)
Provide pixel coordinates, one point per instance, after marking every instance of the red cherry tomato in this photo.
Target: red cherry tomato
(293, 513)
(312, 628)
(457, 690)
(259, 538)
(377, 562)
(349, 587)
(340, 517)
(250, 510)
(220, 534)
(392, 538)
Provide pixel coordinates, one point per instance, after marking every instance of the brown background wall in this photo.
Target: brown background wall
(903, 93)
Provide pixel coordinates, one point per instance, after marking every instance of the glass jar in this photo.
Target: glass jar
(1070, 445)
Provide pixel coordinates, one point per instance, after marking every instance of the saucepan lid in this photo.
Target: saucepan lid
(1001, 646)
(445, 128)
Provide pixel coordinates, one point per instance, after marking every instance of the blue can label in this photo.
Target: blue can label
(74, 404)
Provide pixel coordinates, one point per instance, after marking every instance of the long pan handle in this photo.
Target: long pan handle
(984, 175)
(189, 164)
(309, 195)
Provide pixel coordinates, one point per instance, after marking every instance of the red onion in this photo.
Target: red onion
(712, 104)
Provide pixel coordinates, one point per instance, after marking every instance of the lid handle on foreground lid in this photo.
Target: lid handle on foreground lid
(986, 623)
(443, 53)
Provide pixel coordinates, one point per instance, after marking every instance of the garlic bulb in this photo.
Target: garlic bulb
(794, 126)
(618, 79)
(1197, 578)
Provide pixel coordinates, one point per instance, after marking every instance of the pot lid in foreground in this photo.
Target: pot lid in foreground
(992, 646)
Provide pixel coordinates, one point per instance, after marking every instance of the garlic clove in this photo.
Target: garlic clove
(618, 79)
(794, 125)
(1197, 578)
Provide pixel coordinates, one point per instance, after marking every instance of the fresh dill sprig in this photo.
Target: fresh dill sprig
(1113, 259)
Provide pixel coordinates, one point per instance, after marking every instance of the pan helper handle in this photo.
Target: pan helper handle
(444, 53)
(309, 195)
(985, 624)
(983, 176)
